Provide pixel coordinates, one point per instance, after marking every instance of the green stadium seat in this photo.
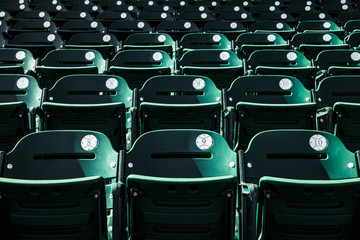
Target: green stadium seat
(194, 41)
(71, 27)
(88, 102)
(259, 103)
(62, 62)
(16, 61)
(283, 62)
(299, 184)
(222, 66)
(154, 18)
(106, 44)
(33, 14)
(338, 62)
(39, 43)
(179, 102)
(230, 29)
(337, 90)
(177, 29)
(186, 190)
(136, 66)
(19, 97)
(311, 44)
(241, 17)
(4, 15)
(51, 156)
(247, 43)
(315, 16)
(64, 16)
(32, 25)
(108, 17)
(268, 26)
(320, 26)
(150, 41)
(52, 9)
(123, 29)
(278, 17)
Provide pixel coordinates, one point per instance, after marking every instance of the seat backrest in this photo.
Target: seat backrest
(338, 58)
(52, 155)
(173, 179)
(334, 89)
(90, 89)
(270, 89)
(20, 88)
(16, 60)
(277, 58)
(193, 41)
(298, 154)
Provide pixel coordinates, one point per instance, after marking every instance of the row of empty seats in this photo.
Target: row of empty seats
(222, 66)
(180, 184)
(252, 104)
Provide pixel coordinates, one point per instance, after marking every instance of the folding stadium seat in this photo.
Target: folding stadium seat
(338, 62)
(62, 62)
(39, 43)
(33, 14)
(143, 3)
(315, 16)
(193, 41)
(352, 25)
(247, 43)
(52, 9)
(182, 190)
(159, 8)
(242, 17)
(210, 4)
(322, 26)
(54, 186)
(339, 103)
(200, 18)
(72, 27)
(19, 96)
(136, 66)
(178, 102)
(108, 17)
(338, 7)
(88, 102)
(300, 8)
(106, 44)
(278, 17)
(222, 66)
(154, 18)
(258, 103)
(312, 43)
(151, 41)
(123, 29)
(193, 9)
(230, 29)
(259, 8)
(228, 8)
(13, 7)
(268, 26)
(282, 62)
(299, 184)
(32, 25)
(353, 40)
(114, 7)
(90, 8)
(64, 16)
(16, 61)
(177, 29)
